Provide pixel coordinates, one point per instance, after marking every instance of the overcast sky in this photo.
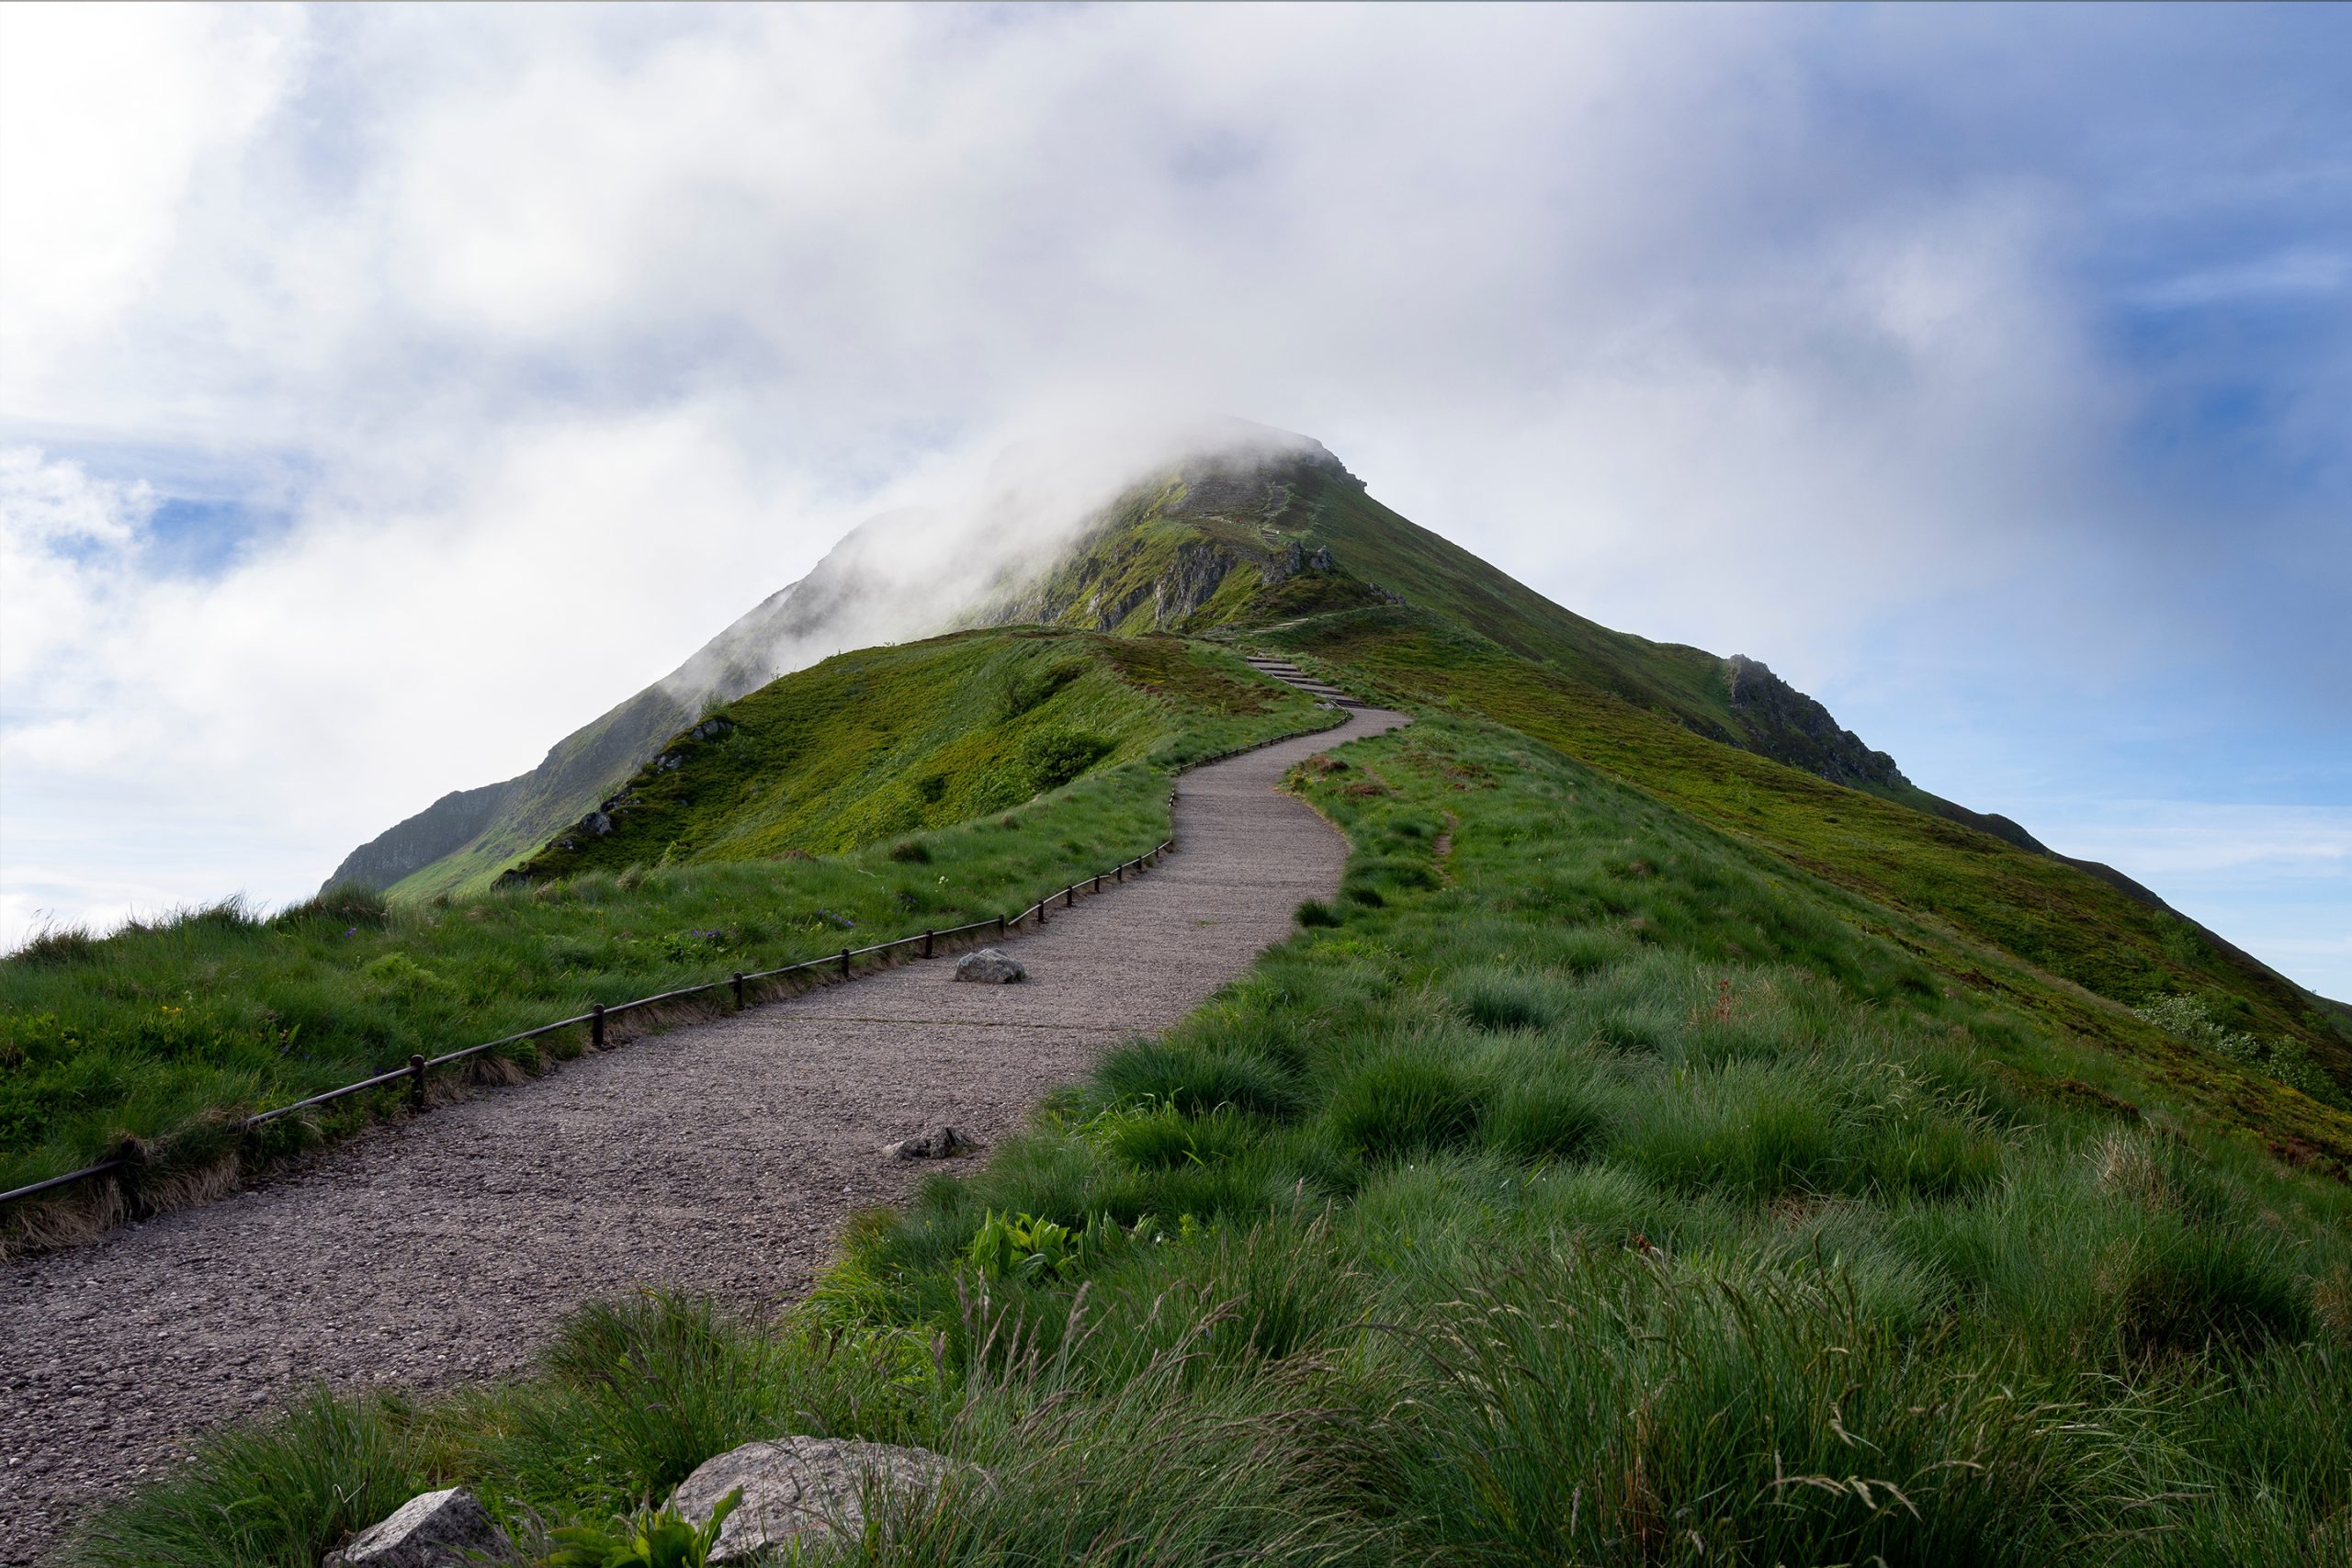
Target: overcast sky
(384, 392)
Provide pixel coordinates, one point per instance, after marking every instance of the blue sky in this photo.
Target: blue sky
(385, 391)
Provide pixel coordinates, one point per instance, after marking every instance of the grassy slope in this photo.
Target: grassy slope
(158, 1032)
(892, 740)
(2053, 918)
(1589, 1186)
(580, 767)
(1652, 713)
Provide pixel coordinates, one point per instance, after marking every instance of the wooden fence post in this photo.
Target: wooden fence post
(596, 1026)
(738, 990)
(926, 944)
(844, 962)
(126, 1175)
(416, 1083)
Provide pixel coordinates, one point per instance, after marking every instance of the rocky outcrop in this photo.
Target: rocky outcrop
(434, 1530)
(989, 967)
(1195, 578)
(804, 1492)
(940, 1143)
(1785, 725)
(1291, 562)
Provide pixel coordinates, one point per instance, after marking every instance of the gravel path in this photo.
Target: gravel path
(722, 1156)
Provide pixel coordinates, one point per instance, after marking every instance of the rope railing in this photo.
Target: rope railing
(842, 962)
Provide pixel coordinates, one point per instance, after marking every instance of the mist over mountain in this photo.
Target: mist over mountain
(1203, 529)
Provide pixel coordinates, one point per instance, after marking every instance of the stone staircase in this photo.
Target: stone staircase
(1291, 674)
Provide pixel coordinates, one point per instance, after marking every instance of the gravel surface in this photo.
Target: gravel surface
(721, 1157)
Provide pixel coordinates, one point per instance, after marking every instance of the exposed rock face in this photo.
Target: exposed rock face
(942, 1142)
(1785, 725)
(989, 967)
(803, 1491)
(434, 1530)
(1199, 569)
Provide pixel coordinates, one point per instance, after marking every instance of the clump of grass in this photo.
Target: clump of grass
(1497, 998)
(1402, 1102)
(1195, 1081)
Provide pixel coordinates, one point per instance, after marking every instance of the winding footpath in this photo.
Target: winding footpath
(722, 1157)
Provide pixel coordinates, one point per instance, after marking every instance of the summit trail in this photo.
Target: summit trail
(721, 1157)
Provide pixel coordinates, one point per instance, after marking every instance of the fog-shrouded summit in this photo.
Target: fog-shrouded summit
(1209, 528)
(905, 574)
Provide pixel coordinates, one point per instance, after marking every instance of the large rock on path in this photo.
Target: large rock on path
(433, 1529)
(801, 1491)
(989, 967)
(943, 1143)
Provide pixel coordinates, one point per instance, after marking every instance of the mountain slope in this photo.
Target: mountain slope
(1266, 537)
(1247, 533)
(891, 740)
(878, 584)
(2039, 908)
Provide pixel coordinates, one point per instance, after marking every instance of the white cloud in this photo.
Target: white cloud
(589, 328)
(2288, 274)
(2176, 838)
(109, 117)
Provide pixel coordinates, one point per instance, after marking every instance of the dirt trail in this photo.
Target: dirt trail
(722, 1156)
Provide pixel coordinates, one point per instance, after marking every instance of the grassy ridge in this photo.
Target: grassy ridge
(2059, 920)
(164, 1033)
(1581, 1186)
(891, 740)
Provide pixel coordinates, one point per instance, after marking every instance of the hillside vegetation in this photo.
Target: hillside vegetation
(1287, 552)
(1062, 746)
(2029, 926)
(896, 739)
(1585, 1184)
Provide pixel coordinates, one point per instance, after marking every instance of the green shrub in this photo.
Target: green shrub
(1056, 756)
(650, 1538)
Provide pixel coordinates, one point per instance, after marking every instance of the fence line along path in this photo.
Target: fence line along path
(721, 1157)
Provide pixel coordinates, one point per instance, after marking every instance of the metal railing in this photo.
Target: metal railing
(844, 962)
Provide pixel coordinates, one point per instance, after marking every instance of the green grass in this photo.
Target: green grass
(1988, 915)
(895, 740)
(1607, 1190)
(166, 1032)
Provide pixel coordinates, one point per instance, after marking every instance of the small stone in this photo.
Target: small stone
(435, 1529)
(804, 1491)
(943, 1143)
(989, 967)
